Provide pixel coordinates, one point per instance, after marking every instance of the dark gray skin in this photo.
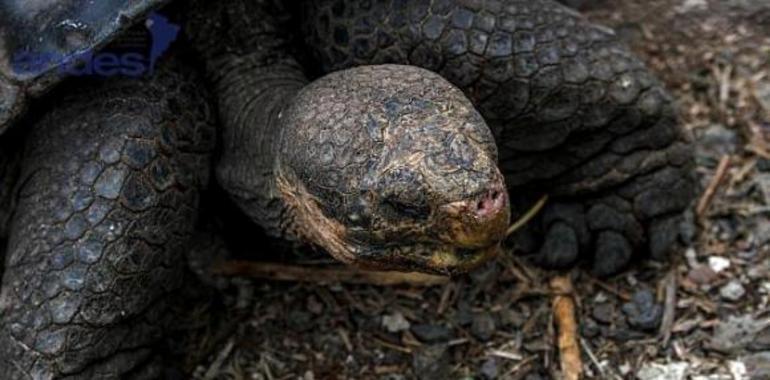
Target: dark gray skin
(383, 166)
(105, 204)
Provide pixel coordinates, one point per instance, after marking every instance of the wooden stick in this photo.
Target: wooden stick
(350, 275)
(669, 311)
(716, 181)
(564, 316)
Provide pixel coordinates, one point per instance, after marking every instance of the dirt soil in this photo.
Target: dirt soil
(705, 316)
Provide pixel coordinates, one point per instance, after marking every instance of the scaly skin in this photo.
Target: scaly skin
(383, 166)
(106, 202)
(574, 113)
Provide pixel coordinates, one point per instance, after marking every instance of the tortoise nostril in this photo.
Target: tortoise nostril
(490, 203)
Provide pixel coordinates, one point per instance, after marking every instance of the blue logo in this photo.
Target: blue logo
(104, 63)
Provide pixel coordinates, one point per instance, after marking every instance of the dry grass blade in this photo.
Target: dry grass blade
(528, 216)
(349, 275)
(563, 306)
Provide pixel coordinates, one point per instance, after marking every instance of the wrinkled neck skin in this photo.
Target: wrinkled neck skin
(254, 78)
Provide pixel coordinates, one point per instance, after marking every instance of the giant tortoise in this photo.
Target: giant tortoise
(393, 134)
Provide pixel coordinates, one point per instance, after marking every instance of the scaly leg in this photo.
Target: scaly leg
(107, 200)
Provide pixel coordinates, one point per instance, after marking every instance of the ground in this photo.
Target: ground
(703, 316)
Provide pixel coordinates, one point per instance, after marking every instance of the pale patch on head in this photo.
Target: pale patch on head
(310, 223)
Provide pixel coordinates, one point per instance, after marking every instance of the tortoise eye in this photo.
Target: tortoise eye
(396, 209)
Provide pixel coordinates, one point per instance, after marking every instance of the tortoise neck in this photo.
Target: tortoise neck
(254, 78)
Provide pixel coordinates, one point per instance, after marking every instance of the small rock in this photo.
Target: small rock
(428, 333)
(714, 142)
(702, 275)
(692, 5)
(655, 371)
(463, 315)
(431, 362)
(718, 263)
(483, 326)
(603, 313)
(738, 370)
(601, 297)
(625, 369)
(761, 342)
(757, 366)
(395, 322)
(732, 291)
(589, 328)
(763, 165)
(514, 318)
(759, 271)
(735, 334)
(642, 312)
(489, 369)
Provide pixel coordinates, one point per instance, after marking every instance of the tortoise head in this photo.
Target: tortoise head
(392, 167)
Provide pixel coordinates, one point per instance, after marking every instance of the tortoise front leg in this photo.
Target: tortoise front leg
(107, 200)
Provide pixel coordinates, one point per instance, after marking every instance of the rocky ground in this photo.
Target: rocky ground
(705, 317)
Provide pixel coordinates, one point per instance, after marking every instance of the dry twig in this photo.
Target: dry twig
(669, 311)
(344, 274)
(716, 181)
(564, 315)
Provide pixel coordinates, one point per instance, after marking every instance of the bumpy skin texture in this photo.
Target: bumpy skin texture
(574, 113)
(105, 206)
(382, 166)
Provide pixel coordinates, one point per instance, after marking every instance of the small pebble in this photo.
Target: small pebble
(428, 333)
(655, 371)
(483, 326)
(395, 322)
(463, 316)
(642, 312)
(757, 366)
(732, 291)
(735, 334)
(761, 342)
(603, 313)
(431, 362)
(489, 369)
(702, 275)
(718, 263)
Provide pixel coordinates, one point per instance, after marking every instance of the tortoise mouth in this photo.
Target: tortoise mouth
(442, 259)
